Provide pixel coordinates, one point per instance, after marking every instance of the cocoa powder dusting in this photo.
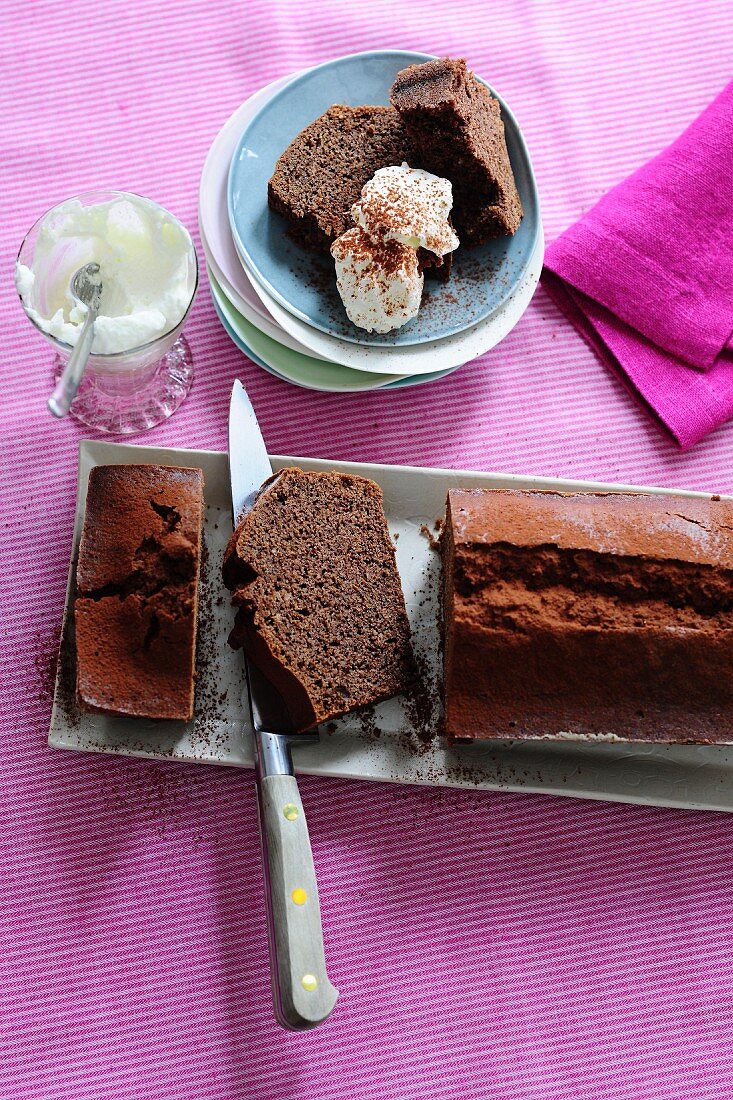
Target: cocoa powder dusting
(382, 258)
(66, 692)
(422, 705)
(46, 662)
(209, 732)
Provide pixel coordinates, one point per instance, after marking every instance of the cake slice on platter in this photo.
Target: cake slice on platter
(136, 609)
(321, 612)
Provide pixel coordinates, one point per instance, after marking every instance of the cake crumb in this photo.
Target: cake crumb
(428, 534)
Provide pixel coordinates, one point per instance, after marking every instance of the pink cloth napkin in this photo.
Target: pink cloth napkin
(647, 277)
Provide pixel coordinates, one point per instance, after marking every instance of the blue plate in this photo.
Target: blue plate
(483, 277)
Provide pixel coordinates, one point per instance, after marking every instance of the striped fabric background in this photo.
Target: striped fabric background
(504, 947)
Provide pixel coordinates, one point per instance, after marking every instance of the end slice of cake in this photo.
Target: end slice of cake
(456, 126)
(320, 606)
(606, 616)
(135, 613)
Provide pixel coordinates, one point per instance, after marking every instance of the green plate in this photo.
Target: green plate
(302, 370)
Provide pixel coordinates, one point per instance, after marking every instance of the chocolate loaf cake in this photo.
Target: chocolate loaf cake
(607, 616)
(456, 126)
(321, 173)
(321, 611)
(137, 577)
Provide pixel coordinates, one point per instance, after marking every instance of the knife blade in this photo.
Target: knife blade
(302, 993)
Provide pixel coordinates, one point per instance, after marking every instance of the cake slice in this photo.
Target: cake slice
(607, 616)
(319, 177)
(320, 606)
(456, 126)
(137, 577)
(321, 173)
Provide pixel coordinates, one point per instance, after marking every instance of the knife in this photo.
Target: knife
(302, 993)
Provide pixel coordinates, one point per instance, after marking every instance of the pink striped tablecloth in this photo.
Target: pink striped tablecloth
(490, 946)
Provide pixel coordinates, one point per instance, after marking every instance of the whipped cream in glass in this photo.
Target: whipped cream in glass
(140, 367)
(408, 205)
(147, 263)
(380, 281)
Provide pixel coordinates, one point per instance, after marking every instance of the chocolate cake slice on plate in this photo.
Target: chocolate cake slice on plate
(455, 124)
(319, 177)
(321, 611)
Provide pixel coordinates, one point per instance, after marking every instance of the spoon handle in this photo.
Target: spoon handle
(60, 400)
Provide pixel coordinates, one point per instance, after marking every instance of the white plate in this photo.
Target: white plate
(412, 359)
(306, 380)
(213, 215)
(698, 777)
(301, 370)
(261, 320)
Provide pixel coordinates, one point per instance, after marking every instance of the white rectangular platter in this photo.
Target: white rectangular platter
(396, 741)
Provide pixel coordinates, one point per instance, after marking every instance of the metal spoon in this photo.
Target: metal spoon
(86, 286)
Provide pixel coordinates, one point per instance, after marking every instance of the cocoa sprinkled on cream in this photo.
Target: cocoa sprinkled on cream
(379, 274)
(408, 205)
(379, 281)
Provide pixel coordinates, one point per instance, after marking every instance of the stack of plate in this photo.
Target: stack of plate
(280, 305)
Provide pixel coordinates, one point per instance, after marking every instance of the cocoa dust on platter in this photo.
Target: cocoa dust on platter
(428, 534)
(211, 696)
(46, 662)
(368, 727)
(66, 683)
(422, 705)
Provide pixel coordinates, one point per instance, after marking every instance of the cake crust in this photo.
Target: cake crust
(135, 613)
(598, 615)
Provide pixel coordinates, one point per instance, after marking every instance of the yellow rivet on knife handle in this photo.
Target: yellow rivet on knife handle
(290, 811)
(309, 982)
(299, 895)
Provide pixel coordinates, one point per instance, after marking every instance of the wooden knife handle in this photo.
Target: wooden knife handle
(302, 994)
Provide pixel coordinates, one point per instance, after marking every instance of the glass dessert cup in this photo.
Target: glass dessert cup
(126, 391)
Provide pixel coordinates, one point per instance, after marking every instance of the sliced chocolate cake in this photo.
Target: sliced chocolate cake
(135, 613)
(321, 173)
(321, 611)
(456, 126)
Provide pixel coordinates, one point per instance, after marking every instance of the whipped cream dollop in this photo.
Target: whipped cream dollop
(408, 205)
(148, 272)
(378, 273)
(379, 280)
